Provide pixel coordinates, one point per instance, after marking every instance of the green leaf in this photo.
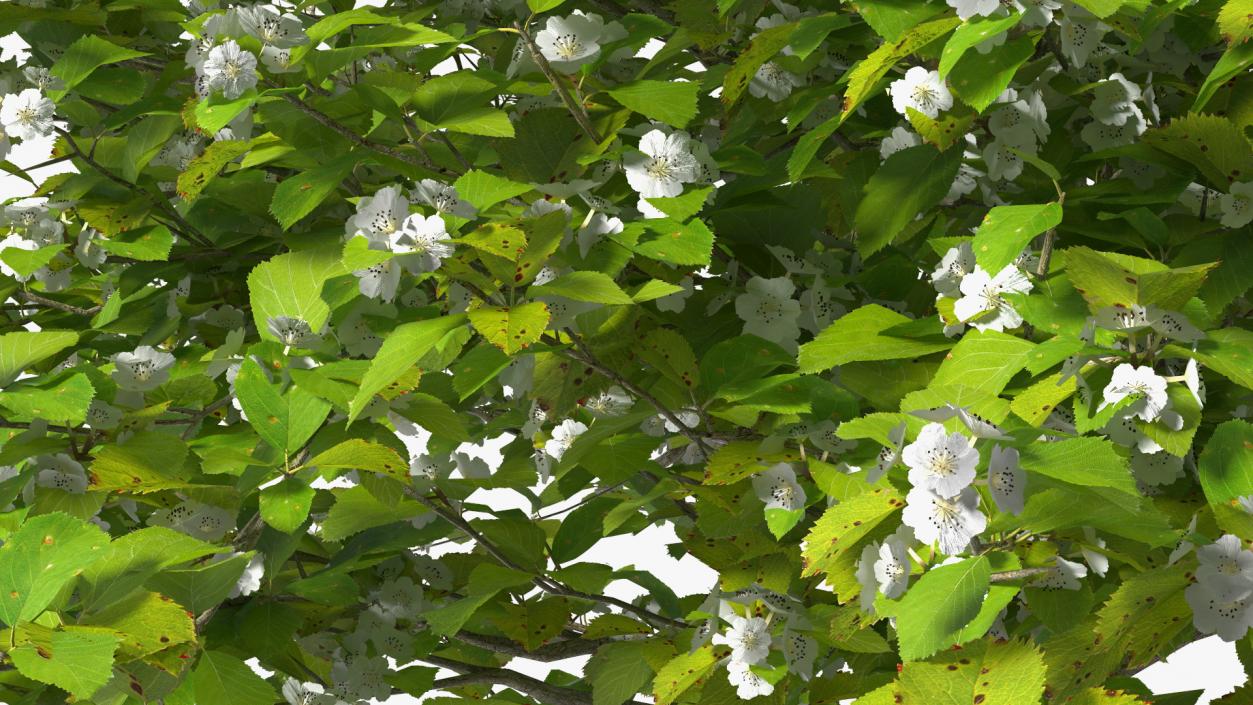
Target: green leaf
(1146, 612)
(222, 679)
(681, 673)
(617, 672)
(1006, 230)
(593, 287)
(943, 131)
(131, 559)
(972, 32)
(217, 111)
(982, 364)
(979, 80)
(1228, 351)
(858, 336)
(842, 527)
(1101, 8)
(936, 608)
(27, 262)
(1236, 59)
(511, 328)
(985, 671)
(65, 401)
(863, 79)
(1214, 145)
(1109, 279)
(78, 660)
(400, 351)
(285, 421)
(1080, 461)
(145, 140)
(146, 462)
(538, 6)
(534, 622)
(356, 510)
(738, 460)
(357, 454)
(147, 244)
(671, 102)
(87, 54)
(581, 529)
(297, 195)
(40, 558)
(204, 169)
(198, 589)
(290, 285)
(285, 505)
(668, 240)
(1035, 403)
(483, 189)
(907, 183)
(1225, 466)
(763, 47)
(146, 623)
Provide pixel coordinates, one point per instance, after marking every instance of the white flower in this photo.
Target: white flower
(748, 685)
(397, 600)
(921, 90)
(1216, 612)
(379, 216)
(426, 239)
(1099, 135)
(274, 30)
(60, 472)
(596, 228)
(1028, 110)
(1097, 561)
(777, 487)
(900, 138)
(1065, 575)
(956, 264)
(891, 569)
(230, 69)
(250, 580)
(866, 577)
(1157, 468)
(1006, 480)
(1036, 13)
(951, 523)
(800, 651)
(1141, 382)
(972, 8)
(1170, 324)
(941, 462)
(570, 42)
(1080, 35)
(278, 60)
(769, 311)
(611, 402)
(1192, 378)
(664, 163)
(1113, 100)
(292, 332)
(41, 78)
(749, 639)
(103, 415)
(143, 370)
(1225, 567)
(563, 436)
(1237, 205)
(27, 115)
(983, 296)
(890, 455)
(443, 198)
(1003, 162)
(297, 693)
(203, 521)
(773, 82)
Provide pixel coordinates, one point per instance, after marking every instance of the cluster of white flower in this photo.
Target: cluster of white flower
(1222, 596)
(979, 297)
(942, 508)
(35, 226)
(416, 243)
(222, 66)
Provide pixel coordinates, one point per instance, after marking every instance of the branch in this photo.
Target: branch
(1046, 249)
(476, 675)
(553, 651)
(576, 110)
(1008, 575)
(349, 134)
(49, 303)
(244, 540)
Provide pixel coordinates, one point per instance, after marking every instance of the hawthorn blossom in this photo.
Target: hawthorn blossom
(1217, 612)
(443, 198)
(292, 332)
(203, 521)
(773, 82)
(973, 8)
(1141, 383)
(297, 693)
(250, 580)
(1237, 205)
(662, 166)
(1226, 567)
(748, 685)
(955, 265)
(143, 370)
(278, 60)
(379, 216)
(1006, 480)
(426, 240)
(1193, 380)
(230, 69)
(568, 43)
(272, 29)
(1065, 575)
(941, 462)
(769, 311)
(1003, 162)
(799, 650)
(890, 455)
(983, 303)
(900, 138)
(891, 568)
(1157, 468)
(60, 471)
(866, 577)
(1113, 100)
(27, 115)
(921, 90)
(1080, 34)
(951, 523)
(611, 402)
(778, 488)
(563, 436)
(749, 639)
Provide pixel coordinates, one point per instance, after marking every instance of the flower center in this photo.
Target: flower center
(926, 95)
(661, 168)
(568, 46)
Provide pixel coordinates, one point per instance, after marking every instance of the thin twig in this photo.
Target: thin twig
(1046, 249)
(575, 108)
(38, 300)
(350, 134)
(1008, 575)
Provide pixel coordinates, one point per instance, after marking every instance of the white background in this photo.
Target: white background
(1208, 664)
